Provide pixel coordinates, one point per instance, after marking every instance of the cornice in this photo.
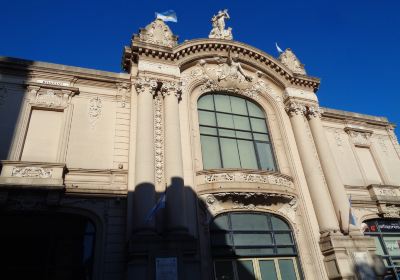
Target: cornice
(183, 54)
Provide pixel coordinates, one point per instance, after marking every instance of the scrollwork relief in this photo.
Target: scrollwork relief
(171, 88)
(32, 172)
(158, 138)
(272, 179)
(145, 85)
(158, 33)
(359, 137)
(50, 98)
(289, 59)
(94, 110)
(123, 90)
(295, 108)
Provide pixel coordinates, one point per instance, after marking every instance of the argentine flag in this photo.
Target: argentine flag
(159, 205)
(169, 15)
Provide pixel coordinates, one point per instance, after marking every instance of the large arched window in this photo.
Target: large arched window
(253, 246)
(234, 133)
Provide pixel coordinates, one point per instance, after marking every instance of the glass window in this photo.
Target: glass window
(253, 246)
(243, 140)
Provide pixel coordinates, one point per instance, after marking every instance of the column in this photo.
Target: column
(175, 202)
(335, 186)
(319, 194)
(144, 194)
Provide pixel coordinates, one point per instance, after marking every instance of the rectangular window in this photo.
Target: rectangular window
(43, 136)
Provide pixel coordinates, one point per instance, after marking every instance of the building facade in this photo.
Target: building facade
(208, 159)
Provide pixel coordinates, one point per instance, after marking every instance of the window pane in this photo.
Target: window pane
(208, 130)
(252, 239)
(278, 224)
(241, 134)
(254, 252)
(254, 110)
(226, 132)
(392, 245)
(261, 137)
(210, 151)
(245, 269)
(220, 223)
(225, 120)
(207, 118)
(224, 270)
(287, 269)
(285, 250)
(258, 125)
(249, 222)
(247, 154)
(379, 249)
(222, 103)
(267, 270)
(206, 102)
(283, 239)
(238, 105)
(265, 156)
(230, 155)
(241, 123)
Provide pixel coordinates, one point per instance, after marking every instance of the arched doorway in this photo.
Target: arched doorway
(44, 245)
(248, 245)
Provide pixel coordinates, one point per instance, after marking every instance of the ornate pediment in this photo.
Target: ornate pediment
(227, 74)
(158, 33)
(289, 59)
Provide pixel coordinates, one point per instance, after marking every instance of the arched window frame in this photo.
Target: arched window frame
(271, 163)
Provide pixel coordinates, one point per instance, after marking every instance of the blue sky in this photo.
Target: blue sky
(353, 46)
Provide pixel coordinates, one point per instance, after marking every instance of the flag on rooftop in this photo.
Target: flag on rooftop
(278, 48)
(169, 15)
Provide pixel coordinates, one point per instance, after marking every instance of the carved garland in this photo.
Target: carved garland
(158, 138)
(272, 179)
(32, 172)
(94, 110)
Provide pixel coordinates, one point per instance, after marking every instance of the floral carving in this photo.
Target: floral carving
(171, 87)
(289, 59)
(359, 137)
(32, 172)
(158, 138)
(146, 85)
(94, 110)
(158, 33)
(273, 179)
(295, 108)
(390, 211)
(314, 112)
(123, 90)
(49, 98)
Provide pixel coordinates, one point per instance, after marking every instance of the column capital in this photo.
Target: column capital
(171, 88)
(146, 84)
(314, 111)
(294, 108)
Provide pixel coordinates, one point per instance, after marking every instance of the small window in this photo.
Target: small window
(234, 133)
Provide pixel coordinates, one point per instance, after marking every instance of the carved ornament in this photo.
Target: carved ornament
(146, 85)
(314, 112)
(273, 179)
(123, 90)
(32, 172)
(218, 30)
(158, 138)
(295, 108)
(227, 201)
(50, 96)
(359, 137)
(171, 88)
(158, 33)
(289, 59)
(389, 211)
(94, 110)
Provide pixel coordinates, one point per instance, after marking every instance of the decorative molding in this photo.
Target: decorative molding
(171, 87)
(389, 211)
(273, 179)
(124, 91)
(218, 30)
(289, 59)
(359, 137)
(280, 203)
(50, 95)
(314, 111)
(50, 98)
(94, 110)
(295, 108)
(146, 84)
(32, 172)
(158, 33)
(338, 138)
(158, 138)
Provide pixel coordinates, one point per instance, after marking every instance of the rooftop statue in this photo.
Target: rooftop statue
(289, 59)
(218, 22)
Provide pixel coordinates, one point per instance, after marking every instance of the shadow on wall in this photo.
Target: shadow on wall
(11, 96)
